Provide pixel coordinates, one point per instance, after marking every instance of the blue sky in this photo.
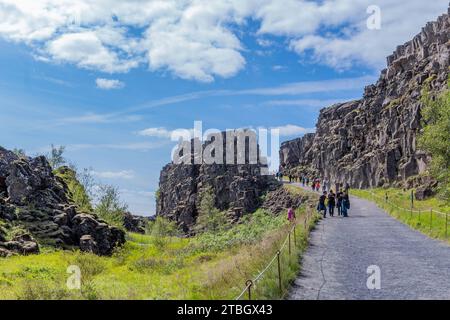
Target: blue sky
(94, 87)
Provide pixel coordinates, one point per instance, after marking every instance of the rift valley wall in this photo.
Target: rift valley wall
(373, 141)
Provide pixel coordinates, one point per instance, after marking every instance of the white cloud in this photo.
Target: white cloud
(132, 146)
(358, 44)
(156, 132)
(306, 102)
(174, 135)
(124, 174)
(292, 130)
(109, 84)
(95, 118)
(201, 39)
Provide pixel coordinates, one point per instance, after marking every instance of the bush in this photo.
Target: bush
(161, 230)
(209, 217)
(78, 192)
(109, 207)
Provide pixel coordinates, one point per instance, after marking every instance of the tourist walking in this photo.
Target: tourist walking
(291, 215)
(331, 203)
(321, 205)
(345, 204)
(339, 203)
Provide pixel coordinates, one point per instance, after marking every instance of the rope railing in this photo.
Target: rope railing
(251, 283)
(411, 210)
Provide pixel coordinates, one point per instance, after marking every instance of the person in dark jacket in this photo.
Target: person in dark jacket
(321, 205)
(331, 203)
(339, 203)
(345, 205)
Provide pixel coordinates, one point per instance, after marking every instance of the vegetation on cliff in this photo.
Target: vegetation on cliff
(435, 138)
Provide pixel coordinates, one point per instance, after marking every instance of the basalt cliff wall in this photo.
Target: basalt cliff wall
(373, 141)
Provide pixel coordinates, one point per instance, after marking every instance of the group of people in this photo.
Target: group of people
(330, 200)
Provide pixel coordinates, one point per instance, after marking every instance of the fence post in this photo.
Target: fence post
(279, 272)
(386, 197)
(289, 236)
(431, 219)
(419, 215)
(446, 225)
(412, 199)
(249, 284)
(295, 237)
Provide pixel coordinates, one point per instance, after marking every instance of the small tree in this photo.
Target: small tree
(109, 206)
(55, 157)
(161, 230)
(19, 152)
(87, 180)
(209, 217)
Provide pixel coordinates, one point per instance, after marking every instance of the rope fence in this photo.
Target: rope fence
(420, 212)
(287, 244)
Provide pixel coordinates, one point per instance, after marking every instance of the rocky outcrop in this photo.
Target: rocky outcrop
(372, 142)
(280, 200)
(237, 188)
(137, 224)
(35, 201)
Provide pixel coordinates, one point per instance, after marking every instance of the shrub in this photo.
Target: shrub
(161, 230)
(435, 138)
(109, 207)
(209, 217)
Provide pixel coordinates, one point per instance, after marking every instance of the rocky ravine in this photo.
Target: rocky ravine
(372, 142)
(237, 189)
(35, 207)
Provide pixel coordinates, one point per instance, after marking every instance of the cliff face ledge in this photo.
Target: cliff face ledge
(372, 142)
(237, 188)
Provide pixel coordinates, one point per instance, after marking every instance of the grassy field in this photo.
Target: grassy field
(208, 266)
(420, 218)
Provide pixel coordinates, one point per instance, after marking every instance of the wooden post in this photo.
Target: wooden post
(279, 273)
(249, 285)
(289, 236)
(431, 219)
(446, 225)
(295, 237)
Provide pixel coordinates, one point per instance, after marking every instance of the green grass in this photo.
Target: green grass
(208, 266)
(433, 225)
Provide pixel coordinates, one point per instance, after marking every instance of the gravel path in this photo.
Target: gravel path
(334, 266)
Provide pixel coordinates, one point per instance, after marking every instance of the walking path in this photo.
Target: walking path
(334, 266)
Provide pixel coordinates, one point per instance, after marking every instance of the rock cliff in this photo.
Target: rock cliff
(237, 188)
(372, 142)
(35, 207)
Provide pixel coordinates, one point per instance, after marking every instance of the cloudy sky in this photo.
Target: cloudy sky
(112, 79)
